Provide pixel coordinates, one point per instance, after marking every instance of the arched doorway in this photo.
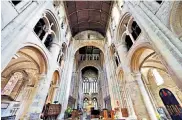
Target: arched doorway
(171, 103)
(19, 81)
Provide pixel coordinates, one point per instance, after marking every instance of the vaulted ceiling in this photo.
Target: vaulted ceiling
(88, 15)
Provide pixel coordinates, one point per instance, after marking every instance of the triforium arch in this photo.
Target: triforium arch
(55, 82)
(155, 75)
(20, 78)
(47, 29)
(123, 21)
(128, 31)
(52, 19)
(175, 18)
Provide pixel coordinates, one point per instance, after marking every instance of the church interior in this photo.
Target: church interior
(91, 60)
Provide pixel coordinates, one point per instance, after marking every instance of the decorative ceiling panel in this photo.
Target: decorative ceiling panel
(88, 15)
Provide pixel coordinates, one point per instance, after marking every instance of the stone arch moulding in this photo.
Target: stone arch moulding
(135, 54)
(53, 18)
(42, 53)
(88, 43)
(134, 57)
(121, 22)
(97, 67)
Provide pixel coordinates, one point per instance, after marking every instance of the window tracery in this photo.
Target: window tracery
(95, 104)
(85, 102)
(90, 82)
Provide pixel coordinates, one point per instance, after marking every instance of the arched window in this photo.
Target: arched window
(171, 104)
(89, 77)
(94, 102)
(46, 29)
(86, 85)
(133, 34)
(89, 86)
(85, 102)
(12, 83)
(95, 86)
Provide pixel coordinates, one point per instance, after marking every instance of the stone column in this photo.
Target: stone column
(40, 97)
(45, 36)
(147, 101)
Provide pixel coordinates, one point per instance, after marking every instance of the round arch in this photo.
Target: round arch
(84, 43)
(34, 54)
(52, 19)
(31, 61)
(135, 55)
(90, 65)
(123, 20)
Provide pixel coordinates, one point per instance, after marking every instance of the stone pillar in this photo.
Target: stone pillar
(67, 78)
(45, 36)
(147, 101)
(40, 97)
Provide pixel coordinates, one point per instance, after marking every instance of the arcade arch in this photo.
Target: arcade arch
(155, 77)
(20, 78)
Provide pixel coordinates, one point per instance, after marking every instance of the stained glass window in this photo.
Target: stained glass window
(12, 83)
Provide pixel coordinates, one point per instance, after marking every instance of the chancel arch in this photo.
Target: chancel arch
(20, 78)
